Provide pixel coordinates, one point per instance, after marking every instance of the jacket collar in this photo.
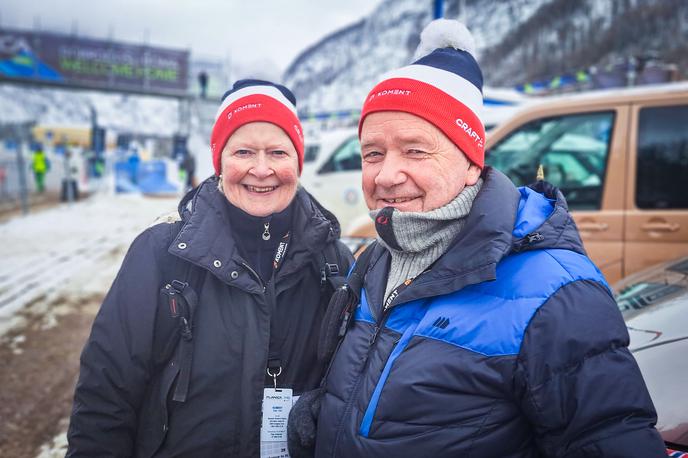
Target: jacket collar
(503, 220)
(206, 239)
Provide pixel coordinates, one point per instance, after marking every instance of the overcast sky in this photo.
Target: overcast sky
(244, 31)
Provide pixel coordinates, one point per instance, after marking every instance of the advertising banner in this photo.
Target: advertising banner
(89, 63)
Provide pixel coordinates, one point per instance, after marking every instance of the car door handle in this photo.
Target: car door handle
(660, 227)
(590, 226)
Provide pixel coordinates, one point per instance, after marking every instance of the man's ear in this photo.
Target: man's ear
(472, 175)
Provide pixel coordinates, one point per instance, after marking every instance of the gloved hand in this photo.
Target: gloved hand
(302, 425)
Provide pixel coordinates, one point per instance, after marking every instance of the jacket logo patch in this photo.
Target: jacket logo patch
(441, 322)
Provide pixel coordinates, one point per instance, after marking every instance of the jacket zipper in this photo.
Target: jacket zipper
(371, 342)
(255, 275)
(260, 282)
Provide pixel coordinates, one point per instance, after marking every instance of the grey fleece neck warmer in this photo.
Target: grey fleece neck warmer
(417, 239)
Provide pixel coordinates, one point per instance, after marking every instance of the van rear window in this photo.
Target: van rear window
(662, 168)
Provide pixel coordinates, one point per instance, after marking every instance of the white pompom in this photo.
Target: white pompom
(445, 33)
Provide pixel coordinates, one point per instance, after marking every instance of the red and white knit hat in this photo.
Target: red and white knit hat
(252, 100)
(443, 86)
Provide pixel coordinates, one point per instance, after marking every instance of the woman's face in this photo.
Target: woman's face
(260, 169)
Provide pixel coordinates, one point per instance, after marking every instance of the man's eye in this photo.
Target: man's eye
(243, 152)
(279, 152)
(372, 155)
(416, 152)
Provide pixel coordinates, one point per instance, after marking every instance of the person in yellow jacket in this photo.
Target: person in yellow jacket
(40, 166)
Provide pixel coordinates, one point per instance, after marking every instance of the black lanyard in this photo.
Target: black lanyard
(275, 361)
(280, 253)
(395, 293)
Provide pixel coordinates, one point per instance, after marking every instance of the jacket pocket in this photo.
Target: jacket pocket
(366, 423)
(154, 413)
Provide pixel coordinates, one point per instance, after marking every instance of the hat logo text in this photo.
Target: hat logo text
(469, 131)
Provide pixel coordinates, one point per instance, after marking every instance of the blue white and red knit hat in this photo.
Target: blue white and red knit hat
(443, 86)
(252, 100)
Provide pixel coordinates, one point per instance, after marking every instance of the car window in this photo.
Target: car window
(572, 149)
(310, 154)
(662, 158)
(345, 158)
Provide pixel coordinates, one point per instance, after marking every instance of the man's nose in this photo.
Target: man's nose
(391, 172)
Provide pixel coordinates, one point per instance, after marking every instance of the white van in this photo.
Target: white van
(333, 175)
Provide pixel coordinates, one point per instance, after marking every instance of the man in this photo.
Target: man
(483, 329)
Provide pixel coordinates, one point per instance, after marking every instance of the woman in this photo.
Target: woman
(250, 246)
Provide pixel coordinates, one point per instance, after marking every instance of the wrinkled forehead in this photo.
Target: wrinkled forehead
(400, 127)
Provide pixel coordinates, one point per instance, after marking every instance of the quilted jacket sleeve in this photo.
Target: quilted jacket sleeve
(115, 362)
(578, 383)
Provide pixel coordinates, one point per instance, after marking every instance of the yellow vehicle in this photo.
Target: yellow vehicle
(621, 159)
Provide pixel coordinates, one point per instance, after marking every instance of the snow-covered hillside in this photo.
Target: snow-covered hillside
(518, 41)
(116, 112)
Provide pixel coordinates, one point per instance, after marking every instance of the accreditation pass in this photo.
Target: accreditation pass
(277, 403)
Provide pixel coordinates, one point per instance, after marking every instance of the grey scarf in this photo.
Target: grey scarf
(417, 239)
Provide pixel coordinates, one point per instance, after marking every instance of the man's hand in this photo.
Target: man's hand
(302, 426)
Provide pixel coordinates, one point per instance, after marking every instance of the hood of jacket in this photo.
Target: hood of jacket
(206, 239)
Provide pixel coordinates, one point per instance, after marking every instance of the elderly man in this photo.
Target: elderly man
(482, 328)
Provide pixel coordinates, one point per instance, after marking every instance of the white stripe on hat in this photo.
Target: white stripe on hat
(455, 85)
(270, 91)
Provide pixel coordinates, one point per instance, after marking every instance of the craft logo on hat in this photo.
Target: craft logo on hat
(298, 131)
(470, 132)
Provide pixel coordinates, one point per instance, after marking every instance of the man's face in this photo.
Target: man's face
(409, 164)
(260, 169)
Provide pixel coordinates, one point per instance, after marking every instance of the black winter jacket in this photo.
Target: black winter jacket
(122, 403)
(511, 345)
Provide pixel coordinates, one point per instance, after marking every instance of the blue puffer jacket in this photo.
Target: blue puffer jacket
(510, 345)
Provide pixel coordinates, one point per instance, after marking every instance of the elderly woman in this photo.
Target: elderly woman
(217, 314)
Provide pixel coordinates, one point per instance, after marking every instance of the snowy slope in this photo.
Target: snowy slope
(338, 72)
(67, 250)
(116, 112)
(518, 41)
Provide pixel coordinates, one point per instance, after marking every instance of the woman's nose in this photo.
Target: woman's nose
(261, 167)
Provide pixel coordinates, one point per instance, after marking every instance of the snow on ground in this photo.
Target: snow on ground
(56, 252)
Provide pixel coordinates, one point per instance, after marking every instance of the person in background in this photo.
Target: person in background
(203, 83)
(40, 165)
(249, 255)
(4, 192)
(134, 162)
(188, 165)
(482, 328)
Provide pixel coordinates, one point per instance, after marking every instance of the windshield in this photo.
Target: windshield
(572, 149)
(651, 288)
